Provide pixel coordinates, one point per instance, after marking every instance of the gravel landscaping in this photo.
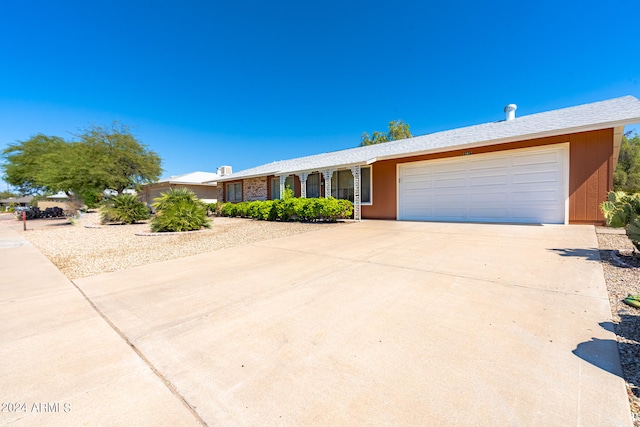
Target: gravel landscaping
(87, 249)
(622, 281)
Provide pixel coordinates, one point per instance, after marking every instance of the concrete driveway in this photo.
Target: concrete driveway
(382, 323)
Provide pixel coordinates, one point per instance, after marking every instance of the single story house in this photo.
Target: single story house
(15, 201)
(202, 183)
(550, 167)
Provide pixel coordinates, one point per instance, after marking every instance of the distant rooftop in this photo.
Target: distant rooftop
(191, 178)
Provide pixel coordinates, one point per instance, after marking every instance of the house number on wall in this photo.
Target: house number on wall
(467, 153)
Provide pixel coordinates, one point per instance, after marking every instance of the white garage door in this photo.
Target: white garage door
(519, 186)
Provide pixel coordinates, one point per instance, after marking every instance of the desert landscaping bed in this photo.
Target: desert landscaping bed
(87, 249)
(622, 281)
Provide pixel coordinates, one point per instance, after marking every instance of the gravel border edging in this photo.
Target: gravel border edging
(168, 233)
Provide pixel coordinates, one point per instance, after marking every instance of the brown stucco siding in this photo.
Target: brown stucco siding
(590, 177)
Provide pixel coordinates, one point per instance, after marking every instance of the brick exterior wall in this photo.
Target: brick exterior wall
(254, 189)
(221, 192)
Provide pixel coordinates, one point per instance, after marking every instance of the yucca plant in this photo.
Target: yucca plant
(179, 209)
(125, 209)
(623, 210)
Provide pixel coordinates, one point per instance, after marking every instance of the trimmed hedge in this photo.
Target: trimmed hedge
(289, 209)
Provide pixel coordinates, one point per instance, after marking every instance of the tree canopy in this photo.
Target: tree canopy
(627, 174)
(397, 130)
(98, 159)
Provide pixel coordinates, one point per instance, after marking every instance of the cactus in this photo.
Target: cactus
(623, 210)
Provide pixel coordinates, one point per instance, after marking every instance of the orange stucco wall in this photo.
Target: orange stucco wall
(590, 174)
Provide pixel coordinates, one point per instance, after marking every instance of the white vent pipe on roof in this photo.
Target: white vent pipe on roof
(510, 111)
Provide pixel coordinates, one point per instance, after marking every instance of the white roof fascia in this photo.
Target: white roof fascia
(187, 183)
(336, 167)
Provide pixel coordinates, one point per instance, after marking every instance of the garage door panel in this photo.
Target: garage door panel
(448, 167)
(418, 185)
(447, 199)
(444, 213)
(535, 158)
(412, 171)
(487, 213)
(533, 212)
(528, 185)
(538, 196)
(476, 198)
(478, 181)
(535, 177)
(495, 163)
(450, 183)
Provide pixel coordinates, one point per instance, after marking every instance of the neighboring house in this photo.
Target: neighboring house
(550, 167)
(60, 200)
(15, 201)
(202, 183)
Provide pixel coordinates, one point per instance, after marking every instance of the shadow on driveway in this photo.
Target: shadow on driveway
(592, 350)
(588, 254)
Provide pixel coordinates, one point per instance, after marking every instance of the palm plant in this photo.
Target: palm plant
(179, 209)
(125, 209)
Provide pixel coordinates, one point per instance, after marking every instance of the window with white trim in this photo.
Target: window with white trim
(275, 186)
(313, 185)
(365, 185)
(342, 185)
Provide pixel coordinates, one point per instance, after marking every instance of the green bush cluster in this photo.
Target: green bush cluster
(125, 209)
(179, 209)
(289, 209)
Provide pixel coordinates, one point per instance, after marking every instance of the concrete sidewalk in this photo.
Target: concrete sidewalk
(382, 323)
(61, 363)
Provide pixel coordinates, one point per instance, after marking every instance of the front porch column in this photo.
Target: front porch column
(283, 179)
(327, 174)
(355, 170)
(303, 184)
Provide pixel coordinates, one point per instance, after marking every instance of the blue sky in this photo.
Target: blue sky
(207, 83)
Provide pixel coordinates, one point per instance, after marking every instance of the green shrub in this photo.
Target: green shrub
(623, 210)
(215, 208)
(179, 210)
(125, 209)
(291, 209)
(228, 209)
(267, 211)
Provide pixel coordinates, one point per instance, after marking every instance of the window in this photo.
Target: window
(365, 185)
(342, 185)
(234, 192)
(275, 186)
(313, 185)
